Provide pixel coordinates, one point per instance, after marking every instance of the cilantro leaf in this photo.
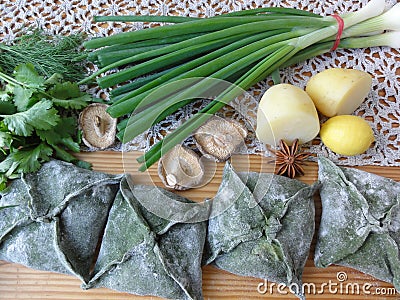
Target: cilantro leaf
(31, 128)
(8, 166)
(40, 116)
(68, 95)
(61, 134)
(17, 123)
(3, 185)
(70, 144)
(4, 96)
(30, 160)
(65, 90)
(63, 154)
(7, 108)
(64, 129)
(43, 116)
(50, 136)
(73, 103)
(5, 139)
(83, 164)
(22, 97)
(26, 160)
(66, 156)
(27, 75)
(53, 79)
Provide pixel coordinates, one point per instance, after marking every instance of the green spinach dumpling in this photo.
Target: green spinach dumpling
(360, 222)
(54, 218)
(266, 230)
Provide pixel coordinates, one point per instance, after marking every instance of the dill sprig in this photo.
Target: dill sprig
(48, 53)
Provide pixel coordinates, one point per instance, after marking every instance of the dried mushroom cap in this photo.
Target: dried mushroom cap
(98, 127)
(181, 168)
(219, 138)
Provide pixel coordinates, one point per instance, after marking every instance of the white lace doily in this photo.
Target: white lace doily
(381, 109)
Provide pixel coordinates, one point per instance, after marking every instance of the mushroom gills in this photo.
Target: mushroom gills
(219, 138)
(98, 127)
(181, 169)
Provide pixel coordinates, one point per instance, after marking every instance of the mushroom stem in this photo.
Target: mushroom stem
(100, 126)
(181, 169)
(171, 180)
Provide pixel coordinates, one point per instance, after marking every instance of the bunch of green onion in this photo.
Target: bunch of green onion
(240, 47)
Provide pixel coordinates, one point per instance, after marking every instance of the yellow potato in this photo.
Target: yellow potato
(286, 112)
(347, 135)
(338, 91)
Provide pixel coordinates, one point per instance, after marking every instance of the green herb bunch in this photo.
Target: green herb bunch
(37, 121)
(48, 53)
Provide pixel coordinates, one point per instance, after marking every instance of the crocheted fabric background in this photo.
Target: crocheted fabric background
(381, 108)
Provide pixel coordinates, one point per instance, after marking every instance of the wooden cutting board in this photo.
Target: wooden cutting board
(334, 282)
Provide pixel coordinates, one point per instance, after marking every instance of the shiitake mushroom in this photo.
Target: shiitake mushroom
(98, 127)
(219, 138)
(181, 168)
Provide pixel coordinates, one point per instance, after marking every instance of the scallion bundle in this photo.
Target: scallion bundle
(191, 55)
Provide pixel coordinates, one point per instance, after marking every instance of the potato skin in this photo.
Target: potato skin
(338, 91)
(286, 112)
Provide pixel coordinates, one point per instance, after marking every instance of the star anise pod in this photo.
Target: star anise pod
(288, 160)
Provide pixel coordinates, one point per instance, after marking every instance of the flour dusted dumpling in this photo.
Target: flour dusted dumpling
(360, 222)
(54, 218)
(144, 254)
(265, 231)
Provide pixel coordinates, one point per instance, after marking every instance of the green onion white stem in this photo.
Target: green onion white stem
(388, 20)
(372, 9)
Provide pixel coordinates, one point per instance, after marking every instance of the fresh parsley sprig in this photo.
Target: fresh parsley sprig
(37, 121)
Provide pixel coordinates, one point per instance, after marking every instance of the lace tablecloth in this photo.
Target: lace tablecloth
(381, 108)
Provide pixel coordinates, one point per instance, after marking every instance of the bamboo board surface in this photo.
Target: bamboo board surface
(18, 282)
